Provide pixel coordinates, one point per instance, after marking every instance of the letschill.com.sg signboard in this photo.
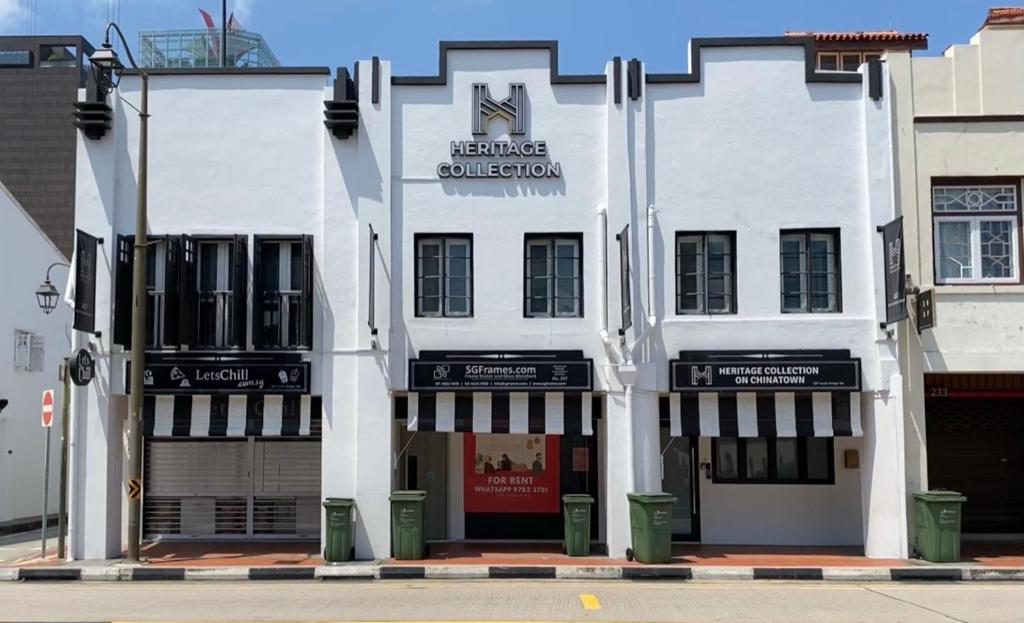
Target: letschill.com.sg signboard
(224, 377)
(765, 371)
(509, 371)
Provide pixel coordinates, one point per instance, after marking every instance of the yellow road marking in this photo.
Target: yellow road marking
(589, 601)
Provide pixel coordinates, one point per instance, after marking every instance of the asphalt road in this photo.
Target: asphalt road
(489, 600)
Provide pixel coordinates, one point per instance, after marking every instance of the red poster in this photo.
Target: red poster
(511, 473)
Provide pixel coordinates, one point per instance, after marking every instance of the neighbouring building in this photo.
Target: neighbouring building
(39, 76)
(960, 162)
(500, 284)
(32, 345)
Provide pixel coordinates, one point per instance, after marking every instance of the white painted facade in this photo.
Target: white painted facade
(26, 254)
(751, 147)
(959, 122)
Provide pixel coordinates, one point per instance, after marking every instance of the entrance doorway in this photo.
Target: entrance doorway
(679, 467)
(975, 433)
(424, 467)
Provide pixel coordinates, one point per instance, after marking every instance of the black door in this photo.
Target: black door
(975, 447)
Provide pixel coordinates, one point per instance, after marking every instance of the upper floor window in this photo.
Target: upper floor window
(553, 276)
(810, 276)
(29, 351)
(217, 319)
(976, 233)
(705, 273)
(158, 281)
(444, 276)
(58, 55)
(15, 58)
(847, 61)
(283, 292)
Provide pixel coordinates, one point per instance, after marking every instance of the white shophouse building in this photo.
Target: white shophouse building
(415, 282)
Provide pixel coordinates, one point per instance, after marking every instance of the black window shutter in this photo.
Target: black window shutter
(240, 266)
(187, 291)
(123, 291)
(172, 289)
(258, 294)
(306, 338)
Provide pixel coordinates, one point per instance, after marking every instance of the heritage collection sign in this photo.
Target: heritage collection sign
(746, 371)
(228, 377)
(895, 272)
(500, 371)
(504, 159)
(85, 281)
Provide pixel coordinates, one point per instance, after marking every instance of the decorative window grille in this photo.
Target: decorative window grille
(976, 234)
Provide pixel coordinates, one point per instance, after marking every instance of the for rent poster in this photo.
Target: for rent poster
(511, 473)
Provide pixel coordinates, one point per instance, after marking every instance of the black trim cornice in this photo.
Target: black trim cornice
(810, 61)
(217, 71)
(969, 119)
(550, 45)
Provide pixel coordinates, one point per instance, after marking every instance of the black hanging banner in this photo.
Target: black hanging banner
(85, 281)
(624, 289)
(895, 271)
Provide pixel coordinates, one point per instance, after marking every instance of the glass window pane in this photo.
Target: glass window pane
(565, 267)
(954, 250)
(565, 250)
(974, 198)
(757, 458)
(458, 306)
(430, 286)
(828, 62)
(727, 457)
(539, 305)
(271, 260)
(817, 458)
(851, 62)
(430, 305)
(458, 287)
(997, 256)
(297, 267)
(786, 466)
(208, 267)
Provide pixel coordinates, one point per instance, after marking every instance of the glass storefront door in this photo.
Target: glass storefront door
(679, 477)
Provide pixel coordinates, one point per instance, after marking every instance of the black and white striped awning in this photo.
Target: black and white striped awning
(232, 416)
(547, 413)
(777, 414)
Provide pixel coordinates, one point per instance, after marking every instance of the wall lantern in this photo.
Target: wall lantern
(47, 295)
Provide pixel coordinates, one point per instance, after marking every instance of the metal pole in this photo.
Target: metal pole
(65, 409)
(224, 33)
(138, 331)
(46, 490)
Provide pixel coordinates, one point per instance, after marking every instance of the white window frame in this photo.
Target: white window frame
(158, 264)
(975, 226)
(975, 218)
(551, 244)
(834, 292)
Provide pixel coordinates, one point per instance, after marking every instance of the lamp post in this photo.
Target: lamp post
(107, 66)
(47, 297)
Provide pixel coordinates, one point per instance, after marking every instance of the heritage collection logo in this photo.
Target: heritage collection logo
(504, 159)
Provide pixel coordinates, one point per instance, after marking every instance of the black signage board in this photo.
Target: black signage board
(233, 376)
(895, 271)
(85, 281)
(501, 371)
(765, 371)
(925, 310)
(83, 367)
(624, 286)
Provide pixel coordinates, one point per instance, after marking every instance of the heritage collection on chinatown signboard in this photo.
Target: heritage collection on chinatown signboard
(751, 371)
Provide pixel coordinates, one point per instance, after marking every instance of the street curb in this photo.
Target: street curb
(372, 572)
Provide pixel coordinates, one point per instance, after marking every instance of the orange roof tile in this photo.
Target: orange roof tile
(863, 35)
(1005, 15)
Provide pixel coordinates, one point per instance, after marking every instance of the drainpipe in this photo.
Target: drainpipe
(651, 319)
(602, 269)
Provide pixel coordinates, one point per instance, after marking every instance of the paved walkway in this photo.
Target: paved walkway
(23, 550)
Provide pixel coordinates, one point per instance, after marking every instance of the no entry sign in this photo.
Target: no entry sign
(47, 415)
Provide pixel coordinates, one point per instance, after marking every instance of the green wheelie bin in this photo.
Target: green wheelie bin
(650, 522)
(576, 510)
(937, 517)
(340, 514)
(408, 525)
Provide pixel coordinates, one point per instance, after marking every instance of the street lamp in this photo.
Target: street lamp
(107, 68)
(46, 294)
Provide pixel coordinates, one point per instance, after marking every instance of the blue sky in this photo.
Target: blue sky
(336, 32)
